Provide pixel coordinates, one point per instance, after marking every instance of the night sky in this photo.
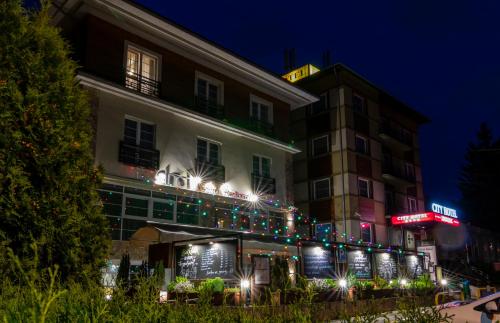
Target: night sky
(440, 57)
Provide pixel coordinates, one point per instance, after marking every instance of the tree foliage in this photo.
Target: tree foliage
(48, 179)
(479, 180)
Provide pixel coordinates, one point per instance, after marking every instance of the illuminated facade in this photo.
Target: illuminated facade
(360, 160)
(193, 140)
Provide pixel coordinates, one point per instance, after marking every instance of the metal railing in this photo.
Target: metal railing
(397, 169)
(263, 185)
(208, 107)
(138, 156)
(210, 171)
(260, 126)
(397, 133)
(142, 84)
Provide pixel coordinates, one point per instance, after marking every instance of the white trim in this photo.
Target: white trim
(411, 198)
(329, 188)
(210, 141)
(367, 187)
(128, 44)
(167, 32)
(260, 163)
(366, 150)
(152, 102)
(138, 129)
(260, 101)
(327, 145)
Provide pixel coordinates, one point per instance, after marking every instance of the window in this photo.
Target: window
(409, 171)
(136, 207)
(358, 103)
(142, 71)
(139, 133)
(320, 146)
(208, 152)
(321, 188)
(261, 166)
(321, 105)
(209, 94)
(364, 187)
(261, 110)
(412, 205)
(361, 144)
(366, 232)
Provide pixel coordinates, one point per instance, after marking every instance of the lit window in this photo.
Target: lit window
(261, 110)
(358, 103)
(412, 205)
(208, 152)
(142, 71)
(364, 188)
(320, 146)
(366, 232)
(321, 188)
(361, 145)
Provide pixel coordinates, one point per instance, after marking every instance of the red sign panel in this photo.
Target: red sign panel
(423, 217)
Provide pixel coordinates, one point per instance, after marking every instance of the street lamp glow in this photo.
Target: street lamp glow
(253, 197)
(245, 283)
(161, 178)
(444, 282)
(194, 181)
(342, 283)
(403, 282)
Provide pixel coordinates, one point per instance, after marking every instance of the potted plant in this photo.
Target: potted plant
(232, 296)
(212, 290)
(322, 289)
(382, 288)
(181, 289)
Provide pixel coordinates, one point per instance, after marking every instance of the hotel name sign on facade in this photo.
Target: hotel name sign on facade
(439, 214)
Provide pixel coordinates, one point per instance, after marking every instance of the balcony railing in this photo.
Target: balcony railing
(142, 84)
(208, 107)
(397, 133)
(139, 156)
(263, 185)
(263, 127)
(210, 171)
(398, 170)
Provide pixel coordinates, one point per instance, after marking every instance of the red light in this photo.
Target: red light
(423, 217)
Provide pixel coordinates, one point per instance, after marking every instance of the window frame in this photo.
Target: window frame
(138, 130)
(314, 182)
(368, 189)
(366, 147)
(210, 80)
(327, 145)
(412, 198)
(363, 99)
(209, 141)
(260, 101)
(370, 226)
(260, 157)
(323, 108)
(142, 50)
(409, 169)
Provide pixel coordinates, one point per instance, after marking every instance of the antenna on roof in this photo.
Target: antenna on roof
(327, 59)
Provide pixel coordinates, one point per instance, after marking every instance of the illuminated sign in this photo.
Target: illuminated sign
(300, 73)
(444, 210)
(423, 217)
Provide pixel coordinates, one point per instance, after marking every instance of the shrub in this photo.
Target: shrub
(180, 285)
(319, 285)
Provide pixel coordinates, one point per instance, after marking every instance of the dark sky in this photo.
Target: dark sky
(441, 57)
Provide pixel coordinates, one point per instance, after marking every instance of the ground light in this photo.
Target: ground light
(342, 283)
(403, 282)
(245, 289)
(444, 282)
(245, 283)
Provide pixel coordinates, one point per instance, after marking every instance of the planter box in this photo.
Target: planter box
(291, 296)
(327, 296)
(217, 299)
(181, 296)
(233, 298)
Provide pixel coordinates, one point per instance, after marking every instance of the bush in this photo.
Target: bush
(319, 285)
(180, 285)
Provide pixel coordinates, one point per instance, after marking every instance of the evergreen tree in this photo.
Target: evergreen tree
(479, 180)
(47, 177)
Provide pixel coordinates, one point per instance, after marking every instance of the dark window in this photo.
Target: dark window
(261, 166)
(130, 227)
(358, 103)
(412, 205)
(111, 202)
(208, 152)
(114, 227)
(366, 232)
(164, 209)
(139, 133)
(321, 105)
(136, 207)
(321, 188)
(320, 146)
(364, 188)
(188, 210)
(361, 145)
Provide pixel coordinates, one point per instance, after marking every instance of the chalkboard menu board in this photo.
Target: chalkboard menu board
(317, 262)
(261, 272)
(359, 264)
(414, 265)
(206, 260)
(386, 265)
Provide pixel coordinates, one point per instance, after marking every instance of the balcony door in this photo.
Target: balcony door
(142, 71)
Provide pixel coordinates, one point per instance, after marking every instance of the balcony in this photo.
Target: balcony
(396, 135)
(138, 156)
(142, 84)
(263, 185)
(210, 172)
(262, 127)
(397, 173)
(205, 106)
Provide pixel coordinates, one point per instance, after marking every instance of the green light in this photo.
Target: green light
(200, 201)
(369, 249)
(341, 246)
(288, 240)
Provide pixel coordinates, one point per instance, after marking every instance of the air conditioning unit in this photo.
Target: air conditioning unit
(177, 180)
